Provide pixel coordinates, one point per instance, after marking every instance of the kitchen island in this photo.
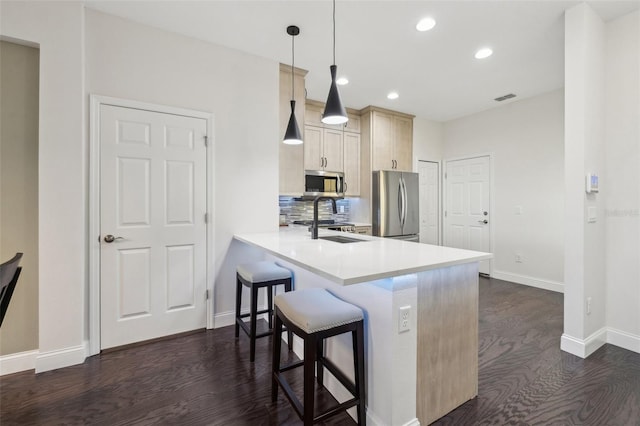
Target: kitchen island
(416, 375)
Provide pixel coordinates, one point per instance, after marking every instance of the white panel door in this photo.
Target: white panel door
(152, 222)
(429, 202)
(467, 215)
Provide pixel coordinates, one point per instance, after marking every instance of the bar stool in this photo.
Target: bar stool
(258, 275)
(314, 315)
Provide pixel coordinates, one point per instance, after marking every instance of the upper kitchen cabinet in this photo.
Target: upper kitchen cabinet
(323, 149)
(388, 138)
(351, 142)
(291, 166)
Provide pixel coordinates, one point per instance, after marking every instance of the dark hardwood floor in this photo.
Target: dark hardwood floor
(206, 378)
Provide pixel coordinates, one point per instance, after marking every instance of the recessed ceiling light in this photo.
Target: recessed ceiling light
(392, 95)
(426, 24)
(485, 52)
(342, 81)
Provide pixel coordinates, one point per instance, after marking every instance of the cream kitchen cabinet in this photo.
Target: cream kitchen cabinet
(323, 149)
(291, 166)
(390, 139)
(351, 142)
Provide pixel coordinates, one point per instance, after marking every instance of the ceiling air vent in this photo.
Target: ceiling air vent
(505, 97)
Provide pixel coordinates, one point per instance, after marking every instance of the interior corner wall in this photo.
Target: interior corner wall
(584, 153)
(622, 194)
(128, 60)
(57, 28)
(525, 139)
(19, 191)
(428, 138)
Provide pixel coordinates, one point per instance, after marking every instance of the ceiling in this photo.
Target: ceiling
(379, 50)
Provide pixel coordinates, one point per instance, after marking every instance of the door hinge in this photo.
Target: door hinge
(206, 294)
(445, 175)
(206, 140)
(206, 218)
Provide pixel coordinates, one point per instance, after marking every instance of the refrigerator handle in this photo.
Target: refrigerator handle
(400, 201)
(403, 188)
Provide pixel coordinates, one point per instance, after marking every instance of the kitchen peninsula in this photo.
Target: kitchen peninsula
(414, 376)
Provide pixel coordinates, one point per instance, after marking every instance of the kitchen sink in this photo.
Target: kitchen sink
(340, 239)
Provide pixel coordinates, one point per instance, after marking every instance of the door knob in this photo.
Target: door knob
(483, 221)
(110, 238)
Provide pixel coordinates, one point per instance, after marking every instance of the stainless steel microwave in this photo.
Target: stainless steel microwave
(326, 184)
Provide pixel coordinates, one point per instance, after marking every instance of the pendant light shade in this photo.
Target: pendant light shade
(292, 135)
(334, 112)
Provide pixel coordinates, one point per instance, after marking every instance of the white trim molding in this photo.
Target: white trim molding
(20, 361)
(60, 358)
(623, 339)
(530, 281)
(95, 102)
(606, 335)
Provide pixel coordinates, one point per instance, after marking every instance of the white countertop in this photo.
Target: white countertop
(351, 263)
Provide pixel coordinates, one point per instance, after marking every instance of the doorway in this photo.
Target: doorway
(150, 222)
(467, 216)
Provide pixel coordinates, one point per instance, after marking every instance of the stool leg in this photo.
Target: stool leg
(253, 316)
(270, 305)
(309, 384)
(238, 303)
(319, 360)
(358, 356)
(287, 287)
(275, 357)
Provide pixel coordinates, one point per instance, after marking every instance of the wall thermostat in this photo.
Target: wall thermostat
(591, 183)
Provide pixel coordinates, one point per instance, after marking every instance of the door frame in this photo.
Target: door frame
(440, 194)
(95, 102)
(446, 161)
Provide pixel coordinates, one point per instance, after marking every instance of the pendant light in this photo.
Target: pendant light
(292, 136)
(334, 112)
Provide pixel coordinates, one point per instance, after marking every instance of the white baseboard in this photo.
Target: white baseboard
(228, 318)
(60, 358)
(584, 348)
(21, 361)
(530, 281)
(623, 339)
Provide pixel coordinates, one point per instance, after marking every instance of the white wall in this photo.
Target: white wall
(428, 139)
(622, 193)
(584, 153)
(58, 30)
(131, 61)
(525, 139)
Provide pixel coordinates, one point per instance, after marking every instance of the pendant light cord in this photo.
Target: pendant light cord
(293, 59)
(334, 32)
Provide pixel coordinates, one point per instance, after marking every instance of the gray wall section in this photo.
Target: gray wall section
(19, 75)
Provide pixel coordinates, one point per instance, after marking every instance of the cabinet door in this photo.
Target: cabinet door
(313, 115)
(352, 163)
(403, 143)
(332, 148)
(353, 125)
(382, 141)
(313, 148)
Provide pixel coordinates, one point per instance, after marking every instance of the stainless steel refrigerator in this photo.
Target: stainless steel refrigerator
(395, 205)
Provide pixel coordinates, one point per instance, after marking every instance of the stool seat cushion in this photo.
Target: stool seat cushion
(262, 271)
(315, 309)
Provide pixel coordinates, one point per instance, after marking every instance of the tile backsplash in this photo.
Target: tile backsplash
(295, 209)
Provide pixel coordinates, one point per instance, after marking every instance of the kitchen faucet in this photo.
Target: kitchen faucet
(314, 225)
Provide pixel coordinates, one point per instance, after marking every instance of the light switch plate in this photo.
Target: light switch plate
(592, 214)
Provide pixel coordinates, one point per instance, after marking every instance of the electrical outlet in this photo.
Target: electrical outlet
(404, 316)
(518, 258)
(588, 306)
(341, 209)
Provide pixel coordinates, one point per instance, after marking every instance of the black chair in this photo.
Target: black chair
(9, 273)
